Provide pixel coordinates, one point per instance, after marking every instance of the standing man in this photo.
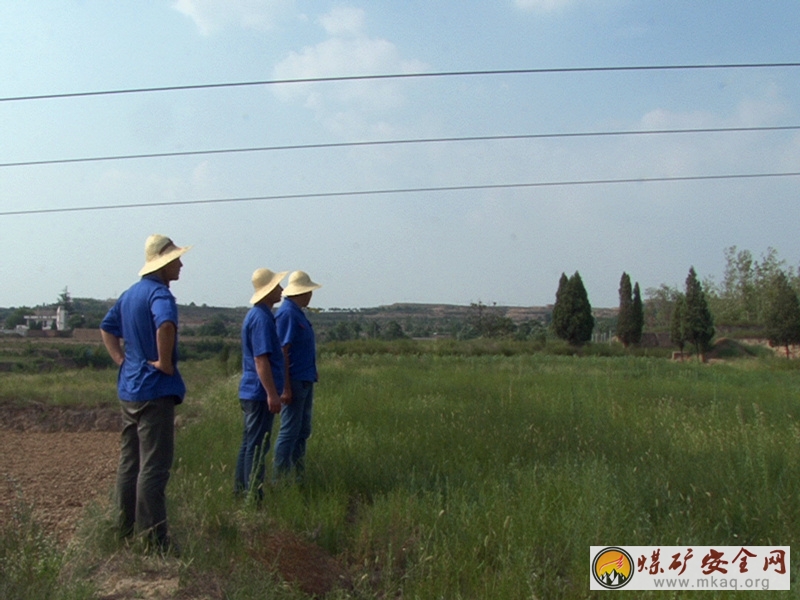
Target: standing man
(261, 383)
(145, 318)
(300, 357)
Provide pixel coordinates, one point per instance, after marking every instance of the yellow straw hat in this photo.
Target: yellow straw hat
(264, 281)
(300, 283)
(159, 251)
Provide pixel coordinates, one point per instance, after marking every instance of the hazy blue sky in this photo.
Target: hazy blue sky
(507, 246)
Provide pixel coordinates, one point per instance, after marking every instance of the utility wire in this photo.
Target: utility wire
(205, 86)
(477, 138)
(397, 191)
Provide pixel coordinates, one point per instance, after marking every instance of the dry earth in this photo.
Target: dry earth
(58, 461)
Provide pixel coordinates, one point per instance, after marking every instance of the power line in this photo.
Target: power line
(397, 191)
(317, 146)
(418, 75)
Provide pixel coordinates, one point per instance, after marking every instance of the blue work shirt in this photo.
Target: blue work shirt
(295, 329)
(135, 317)
(259, 337)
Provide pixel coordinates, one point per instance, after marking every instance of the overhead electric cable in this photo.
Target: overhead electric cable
(396, 191)
(476, 138)
(417, 75)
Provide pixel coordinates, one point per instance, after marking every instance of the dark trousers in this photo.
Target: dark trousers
(145, 460)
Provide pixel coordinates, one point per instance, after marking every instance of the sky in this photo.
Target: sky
(427, 222)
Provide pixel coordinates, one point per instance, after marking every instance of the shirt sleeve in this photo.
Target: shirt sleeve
(261, 336)
(164, 308)
(111, 322)
(285, 325)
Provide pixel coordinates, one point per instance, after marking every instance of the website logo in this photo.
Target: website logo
(612, 568)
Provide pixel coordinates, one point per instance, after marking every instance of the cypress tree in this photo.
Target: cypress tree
(561, 310)
(581, 321)
(699, 322)
(637, 315)
(630, 320)
(625, 315)
(572, 313)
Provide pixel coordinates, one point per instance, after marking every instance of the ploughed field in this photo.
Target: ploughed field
(56, 461)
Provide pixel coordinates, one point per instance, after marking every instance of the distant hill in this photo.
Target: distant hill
(415, 319)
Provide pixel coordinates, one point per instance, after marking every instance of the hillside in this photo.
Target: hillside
(413, 319)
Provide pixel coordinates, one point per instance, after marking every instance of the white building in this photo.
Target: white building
(47, 321)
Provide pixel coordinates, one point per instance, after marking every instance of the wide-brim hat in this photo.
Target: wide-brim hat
(159, 251)
(264, 281)
(300, 283)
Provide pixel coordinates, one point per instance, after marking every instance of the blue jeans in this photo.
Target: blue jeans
(255, 445)
(290, 449)
(145, 459)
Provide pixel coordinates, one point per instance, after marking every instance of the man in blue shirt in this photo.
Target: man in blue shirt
(300, 358)
(140, 333)
(261, 383)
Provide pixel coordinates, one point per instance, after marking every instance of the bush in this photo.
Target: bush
(95, 357)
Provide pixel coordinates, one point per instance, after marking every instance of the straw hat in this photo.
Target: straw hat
(300, 283)
(159, 251)
(264, 281)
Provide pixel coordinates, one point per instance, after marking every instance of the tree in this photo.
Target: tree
(637, 314)
(76, 321)
(561, 311)
(739, 288)
(531, 330)
(373, 330)
(659, 307)
(630, 320)
(65, 300)
(393, 331)
(782, 319)
(625, 314)
(677, 331)
(572, 313)
(743, 296)
(344, 330)
(216, 327)
(699, 324)
(340, 332)
(488, 321)
(17, 317)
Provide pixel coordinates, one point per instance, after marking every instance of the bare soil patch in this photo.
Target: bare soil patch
(59, 460)
(299, 562)
(44, 418)
(57, 474)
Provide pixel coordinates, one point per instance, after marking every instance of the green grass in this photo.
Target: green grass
(445, 476)
(89, 387)
(31, 563)
(85, 387)
(488, 476)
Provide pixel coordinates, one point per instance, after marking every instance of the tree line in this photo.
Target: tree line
(755, 298)
(759, 298)
(762, 297)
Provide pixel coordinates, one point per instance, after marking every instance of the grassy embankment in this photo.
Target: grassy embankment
(481, 476)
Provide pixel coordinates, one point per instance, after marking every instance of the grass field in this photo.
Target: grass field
(483, 476)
